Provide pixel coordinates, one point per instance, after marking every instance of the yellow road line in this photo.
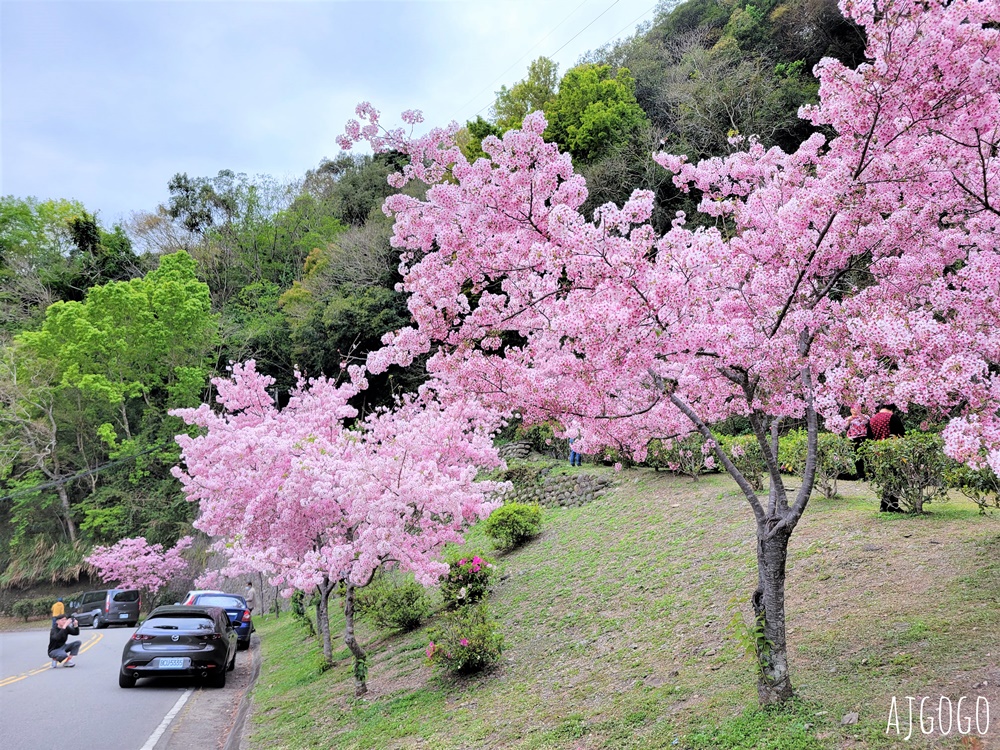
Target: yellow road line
(97, 637)
(17, 678)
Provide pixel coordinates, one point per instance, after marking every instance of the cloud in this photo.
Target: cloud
(105, 101)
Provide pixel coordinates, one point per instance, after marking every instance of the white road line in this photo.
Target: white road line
(155, 736)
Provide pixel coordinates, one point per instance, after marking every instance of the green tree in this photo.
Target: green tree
(532, 93)
(475, 132)
(37, 261)
(594, 111)
(94, 385)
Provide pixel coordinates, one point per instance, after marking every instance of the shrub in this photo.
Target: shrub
(299, 604)
(834, 456)
(467, 581)
(467, 640)
(513, 523)
(981, 486)
(394, 602)
(744, 451)
(28, 608)
(689, 456)
(610, 456)
(911, 469)
(542, 438)
(524, 475)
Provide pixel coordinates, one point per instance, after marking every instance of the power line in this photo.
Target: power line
(500, 77)
(565, 44)
(585, 27)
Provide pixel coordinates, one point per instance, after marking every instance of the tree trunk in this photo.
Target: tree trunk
(323, 621)
(774, 684)
(67, 512)
(360, 657)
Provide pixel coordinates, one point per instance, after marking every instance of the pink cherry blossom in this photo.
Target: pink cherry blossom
(134, 563)
(859, 268)
(309, 498)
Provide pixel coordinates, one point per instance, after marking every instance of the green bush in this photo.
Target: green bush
(467, 640)
(834, 456)
(681, 456)
(909, 469)
(609, 456)
(299, 605)
(541, 436)
(524, 475)
(744, 451)
(29, 608)
(394, 602)
(513, 523)
(467, 581)
(981, 486)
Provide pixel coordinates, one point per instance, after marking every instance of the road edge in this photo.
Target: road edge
(235, 738)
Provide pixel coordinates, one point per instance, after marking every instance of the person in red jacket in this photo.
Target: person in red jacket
(885, 424)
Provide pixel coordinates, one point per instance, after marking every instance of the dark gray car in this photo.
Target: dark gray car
(107, 607)
(178, 641)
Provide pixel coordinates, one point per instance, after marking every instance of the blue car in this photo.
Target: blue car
(237, 609)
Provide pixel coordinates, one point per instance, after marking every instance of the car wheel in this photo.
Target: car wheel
(243, 645)
(99, 623)
(131, 624)
(126, 681)
(219, 680)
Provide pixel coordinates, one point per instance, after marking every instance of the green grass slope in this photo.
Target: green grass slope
(617, 624)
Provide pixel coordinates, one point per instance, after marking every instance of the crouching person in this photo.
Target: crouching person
(60, 651)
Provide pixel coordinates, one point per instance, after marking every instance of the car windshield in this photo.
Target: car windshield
(177, 623)
(226, 602)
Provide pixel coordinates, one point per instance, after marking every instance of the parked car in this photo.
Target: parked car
(106, 607)
(235, 606)
(188, 598)
(176, 641)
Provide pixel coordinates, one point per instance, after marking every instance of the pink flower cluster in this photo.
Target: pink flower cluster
(134, 563)
(298, 494)
(631, 335)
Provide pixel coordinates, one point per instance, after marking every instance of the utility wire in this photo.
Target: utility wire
(611, 38)
(533, 46)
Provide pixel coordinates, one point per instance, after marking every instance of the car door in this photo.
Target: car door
(89, 605)
(231, 637)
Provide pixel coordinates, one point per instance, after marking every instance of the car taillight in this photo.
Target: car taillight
(246, 615)
(107, 603)
(142, 637)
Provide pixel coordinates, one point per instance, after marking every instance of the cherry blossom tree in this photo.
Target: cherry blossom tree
(862, 267)
(315, 502)
(135, 564)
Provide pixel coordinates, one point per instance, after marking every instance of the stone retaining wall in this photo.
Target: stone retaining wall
(565, 490)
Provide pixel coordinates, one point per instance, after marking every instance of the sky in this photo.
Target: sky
(103, 102)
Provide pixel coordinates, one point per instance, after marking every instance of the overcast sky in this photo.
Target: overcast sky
(104, 102)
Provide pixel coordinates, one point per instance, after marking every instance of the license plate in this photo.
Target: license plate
(123, 616)
(171, 664)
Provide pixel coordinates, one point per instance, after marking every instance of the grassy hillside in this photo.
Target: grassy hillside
(617, 634)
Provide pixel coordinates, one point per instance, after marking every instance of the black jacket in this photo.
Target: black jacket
(58, 636)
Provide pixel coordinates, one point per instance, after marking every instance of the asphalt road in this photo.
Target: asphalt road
(43, 708)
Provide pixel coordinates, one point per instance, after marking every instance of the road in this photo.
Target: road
(42, 708)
